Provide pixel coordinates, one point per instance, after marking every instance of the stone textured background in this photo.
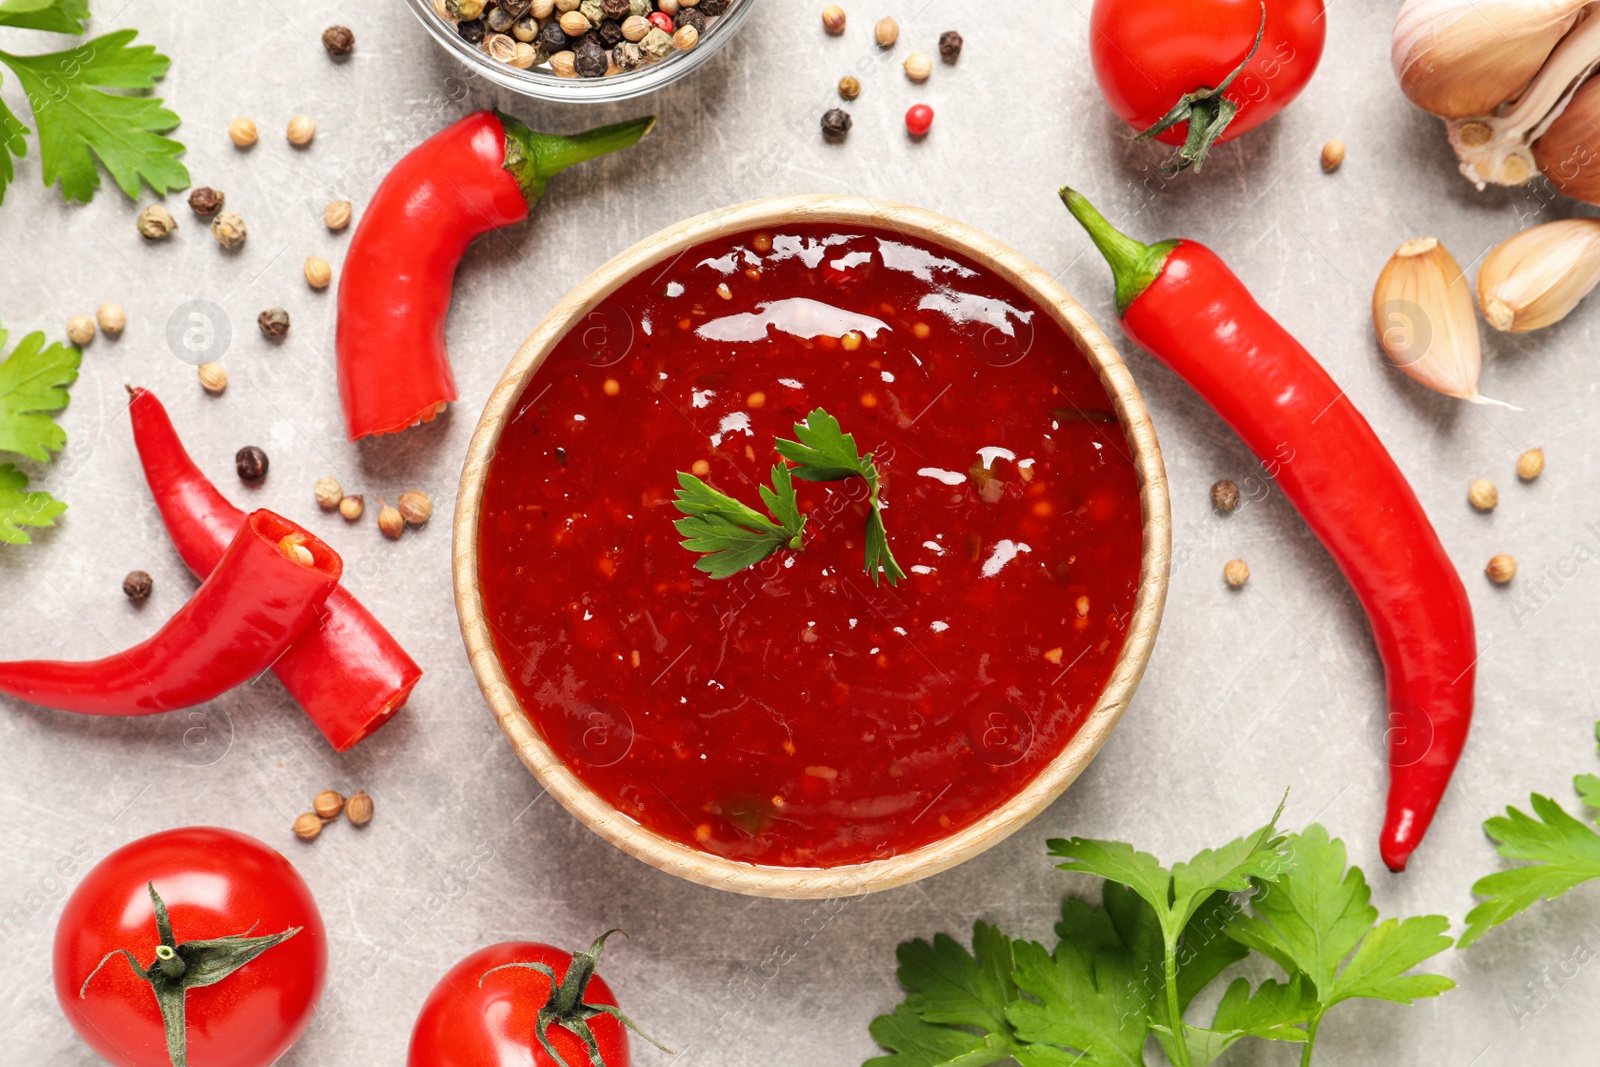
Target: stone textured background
(1247, 694)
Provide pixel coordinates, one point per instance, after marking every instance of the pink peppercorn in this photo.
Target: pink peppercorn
(662, 20)
(919, 119)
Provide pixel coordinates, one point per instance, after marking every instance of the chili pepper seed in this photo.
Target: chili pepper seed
(137, 585)
(251, 463)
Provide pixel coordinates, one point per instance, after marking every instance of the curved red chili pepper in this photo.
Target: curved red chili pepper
(345, 670)
(257, 600)
(1182, 304)
(484, 172)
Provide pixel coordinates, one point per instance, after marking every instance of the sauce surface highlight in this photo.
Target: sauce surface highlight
(797, 714)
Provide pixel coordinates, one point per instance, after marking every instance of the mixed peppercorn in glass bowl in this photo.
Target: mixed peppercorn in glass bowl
(575, 50)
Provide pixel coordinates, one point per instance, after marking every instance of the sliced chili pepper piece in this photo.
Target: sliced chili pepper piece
(484, 172)
(347, 672)
(260, 597)
(1182, 304)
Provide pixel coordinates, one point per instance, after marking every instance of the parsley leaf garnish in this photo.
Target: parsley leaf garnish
(52, 16)
(825, 453)
(79, 122)
(32, 382)
(1561, 853)
(733, 535)
(19, 508)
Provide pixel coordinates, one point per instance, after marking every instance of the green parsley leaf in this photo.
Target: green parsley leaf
(19, 508)
(1270, 1013)
(1561, 853)
(52, 16)
(78, 122)
(949, 991)
(1089, 999)
(32, 381)
(733, 535)
(914, 1042)
(825, 453)
(1588, 787)
(12, 143)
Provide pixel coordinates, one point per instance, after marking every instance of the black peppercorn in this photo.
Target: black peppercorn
(205, 200)
(950, 45)
(590, 58)
(552, 40)
(713, 8)
(251, 463)
(836, 124)
(610, 33)
(471, 31)
(338, 40)
(137, 585)
(274, 323)
(616, 9)
(690, 16)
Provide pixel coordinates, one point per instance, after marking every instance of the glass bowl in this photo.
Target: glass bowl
(541, 84)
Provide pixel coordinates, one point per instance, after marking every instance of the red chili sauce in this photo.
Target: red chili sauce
(797, 714)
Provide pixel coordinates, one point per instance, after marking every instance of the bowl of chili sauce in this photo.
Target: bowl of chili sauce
(805, 728)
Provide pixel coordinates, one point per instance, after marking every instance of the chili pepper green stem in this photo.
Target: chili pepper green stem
(1134, 265)
(534, 158)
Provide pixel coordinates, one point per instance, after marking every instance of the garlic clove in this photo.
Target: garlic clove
(1457, 58)
(1535, 277)
(1422, 310)
(1568, 151)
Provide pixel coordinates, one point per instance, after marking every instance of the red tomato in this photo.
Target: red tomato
(1148, 53)
(215, 883)
(493, 1024)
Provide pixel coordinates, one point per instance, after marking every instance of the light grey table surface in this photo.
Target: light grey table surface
(1246, 695)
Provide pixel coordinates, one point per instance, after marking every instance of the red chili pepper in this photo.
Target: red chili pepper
(346, 671)
(1181, 303)
(484, 172)
(259, 598)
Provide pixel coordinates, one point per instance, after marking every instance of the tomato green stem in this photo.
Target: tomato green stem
(170, 962)
(1134, 264)
(534, 158)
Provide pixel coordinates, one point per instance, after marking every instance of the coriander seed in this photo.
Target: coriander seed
(849, 88)
(886, 32)
(1501, 569)
(302, 128)
(1530, 464)
(1482, 495)
(242, 132)
(685, 38)
(358, 809)
(501, 48)
(111, 318)
(1225, 496)
(564, 64)
(1332, 156)
(307, 826)
(318, 273)
(833, 19)
(415, 507)
(573, 24)
(351, 508)
(526, 56)
(336, 216)
(338, 40)
(950, 43)
(836, 124)
(213, 378)
(137, 585)
(918, 66)
(251, 463)
(206, 201)
(155, 223)
(634, 28)
(328, 804)
(229, 230)
(274, 323)
(1236, 572)
(389, 521)
(80, 329)
(328, 492)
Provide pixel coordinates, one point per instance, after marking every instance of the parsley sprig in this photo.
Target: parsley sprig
(33, 381)
(78, 120)
(1128, 969)
(732, 535)
(825, 453)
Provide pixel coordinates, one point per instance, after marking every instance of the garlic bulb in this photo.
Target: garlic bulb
(1458, 59)
(1422, 310)
(1535, 277)
(1568, 152)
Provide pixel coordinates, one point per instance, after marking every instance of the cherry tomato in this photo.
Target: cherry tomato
(1148, 53)
(214, 883)
(481, 1016)
(919, 119)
